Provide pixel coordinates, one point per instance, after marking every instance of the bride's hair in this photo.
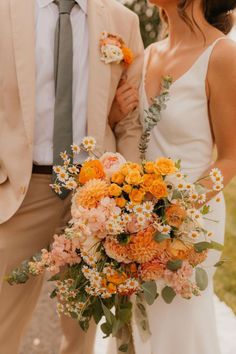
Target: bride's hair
(217, 12)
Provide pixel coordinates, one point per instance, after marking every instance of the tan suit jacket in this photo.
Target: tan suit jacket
(17, 91)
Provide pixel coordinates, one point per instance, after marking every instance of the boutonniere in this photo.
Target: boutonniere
(114, 50)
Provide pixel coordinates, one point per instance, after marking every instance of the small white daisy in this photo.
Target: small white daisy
(75, 148)
(89, 143)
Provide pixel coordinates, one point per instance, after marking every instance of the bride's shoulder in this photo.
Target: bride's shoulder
(223, 58)
(155, 47)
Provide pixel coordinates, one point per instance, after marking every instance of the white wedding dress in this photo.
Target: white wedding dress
(184, 132)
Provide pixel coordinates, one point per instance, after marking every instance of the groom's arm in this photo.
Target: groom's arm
(128, 130)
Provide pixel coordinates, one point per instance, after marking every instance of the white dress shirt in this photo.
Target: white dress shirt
(46, 19)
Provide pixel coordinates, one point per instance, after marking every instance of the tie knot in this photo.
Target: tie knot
(65, 6)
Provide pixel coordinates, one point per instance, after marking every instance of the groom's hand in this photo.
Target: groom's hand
(125, 102)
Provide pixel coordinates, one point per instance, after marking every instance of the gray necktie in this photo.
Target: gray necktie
(63, 71)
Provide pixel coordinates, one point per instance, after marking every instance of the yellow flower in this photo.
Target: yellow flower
(127, 188)
(147, 180)
(126, 168)
(136, 196)
(158, 189)
(121, 202)
(115, 190)
(149, 167)
(117, 278)
(111, 288)
(165, 166)
(134, 177)
(128, 55)
(91, 170)
(118, 178)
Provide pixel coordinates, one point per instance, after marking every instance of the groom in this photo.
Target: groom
(52, 79)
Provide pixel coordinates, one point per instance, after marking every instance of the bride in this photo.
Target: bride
(201, 114)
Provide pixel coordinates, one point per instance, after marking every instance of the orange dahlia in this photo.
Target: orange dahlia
(195, 258)
(91, 193)
(152, 270)
(116, 251)
(142, 247)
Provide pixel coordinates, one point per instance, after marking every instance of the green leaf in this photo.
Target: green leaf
(117, 324)
(161, 237)
(53, 294)
(97, 311)
(108, 314)
(217, 246)
(125, 315)
(201, 278)
(168, 294)
(106, 329)
(202, 246)
(174, 265)
(123, 238)
(205, 210)
(220, 263)
(178, 164)
(150, 291)
(124, 348)
(142, 309)
(84, 325)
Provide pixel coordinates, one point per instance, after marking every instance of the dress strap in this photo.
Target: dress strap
(208, 53)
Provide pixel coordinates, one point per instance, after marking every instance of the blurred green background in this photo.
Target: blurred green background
(225, 279)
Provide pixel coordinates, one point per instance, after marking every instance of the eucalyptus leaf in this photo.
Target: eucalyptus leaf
(174, 265)
(161, 237)
(150, 291)
(201, 278)
(108, 314)
(168, 294)
(106, 329)
(124, 348)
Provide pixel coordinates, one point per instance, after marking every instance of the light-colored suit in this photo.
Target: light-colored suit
(29, 211)
(17, 87)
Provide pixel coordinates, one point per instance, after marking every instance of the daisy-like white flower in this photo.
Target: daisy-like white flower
(148, 207)
(57, 169)
(129, 206)
(63, 176)
(87, 272)
(218, 199)
(108, 271)
(74, 170)
(164, 229)
(189, 186)
(66, 163)
(138, 209)
(141, 219)
(60, 309)
(215, 172)
(75, 149)
(210, 234)
(64, 155)
(193, 196)
(179, 175)
(147, 215)
(126, 218)
(218, 187)
(180, 186)
(89, 143)
(202, 198)
(80, 305)
(70, 184)
(194, 234)
(56, 188)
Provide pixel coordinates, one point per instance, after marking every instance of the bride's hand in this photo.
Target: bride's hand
(126, 101)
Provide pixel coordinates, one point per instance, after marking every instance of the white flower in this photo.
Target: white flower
(138, 209)
(126, 218)
(141, 219)
(218, 187)
(64, 155)
(75, 148)
(111, 54)
(63, 176)
(164, 229)
(189, 187)
(193, 196)
(89, 143)
(57, 169)
(148, 207)
(179, 175)
(71, 184)
(215, 172)
(56, 188)
(73, 169)
(181, 186)
(202, 198)
(130, 206)
(194, 234)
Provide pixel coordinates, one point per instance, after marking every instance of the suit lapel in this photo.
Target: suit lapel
(99, 73)
(23, 29)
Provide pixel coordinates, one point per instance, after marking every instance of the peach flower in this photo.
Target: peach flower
(116, 251)
(152, 270)
(112, 162)
(91, 194)
(175, 215)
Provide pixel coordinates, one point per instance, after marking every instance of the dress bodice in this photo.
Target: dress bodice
(184, 131)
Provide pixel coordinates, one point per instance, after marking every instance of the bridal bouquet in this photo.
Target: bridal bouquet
(134, 230)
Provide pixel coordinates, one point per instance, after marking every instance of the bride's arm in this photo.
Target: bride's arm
(221, 87)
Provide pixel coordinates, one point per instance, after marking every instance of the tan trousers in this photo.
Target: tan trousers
(30, 230)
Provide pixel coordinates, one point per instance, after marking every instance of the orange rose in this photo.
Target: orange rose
(117, 278)
(133, 177)
(178, 250)
(147, 180)
(91, 170)
(175, 215)
(158, 189)
(149, 167)
(115, 190)
(136, 196)
(118, 178)
(128, 55)
(111, 288)
(127, 188)
(165, 166)
(121, 202)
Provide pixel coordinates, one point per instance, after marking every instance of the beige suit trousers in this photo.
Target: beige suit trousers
(27, 232)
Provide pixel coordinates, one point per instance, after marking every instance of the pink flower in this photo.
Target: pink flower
(96, 222)
(112, 162)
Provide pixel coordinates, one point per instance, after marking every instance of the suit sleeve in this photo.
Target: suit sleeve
(128, 131)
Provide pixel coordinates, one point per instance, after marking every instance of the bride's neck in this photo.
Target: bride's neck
(179, 31)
